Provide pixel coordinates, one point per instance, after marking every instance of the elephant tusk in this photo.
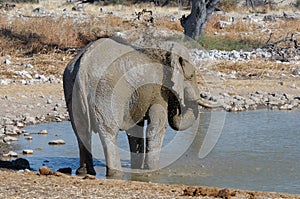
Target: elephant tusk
(208, 104)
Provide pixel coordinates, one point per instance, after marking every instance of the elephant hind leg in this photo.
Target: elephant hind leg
(86, 160)
(136, 143)
(85, 150)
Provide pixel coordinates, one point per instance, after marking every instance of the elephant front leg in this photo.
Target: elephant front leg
(154, 136)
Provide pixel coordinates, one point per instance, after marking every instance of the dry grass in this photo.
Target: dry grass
(45, 42)
(245, 34)
(49, 39)
(255, 68)
(44, 34)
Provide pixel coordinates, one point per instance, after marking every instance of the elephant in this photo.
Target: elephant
(111, 86)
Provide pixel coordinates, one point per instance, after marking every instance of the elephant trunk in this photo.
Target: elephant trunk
(181, 118)
(185, 120)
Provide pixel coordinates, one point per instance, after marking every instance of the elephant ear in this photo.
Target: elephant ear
(179, 61)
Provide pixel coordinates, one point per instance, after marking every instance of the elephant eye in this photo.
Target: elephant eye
(188, 71)
(180, 61)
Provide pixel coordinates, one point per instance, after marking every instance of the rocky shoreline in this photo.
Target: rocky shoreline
(25, 101)
(24, 105)
(28, 109)
(253, 101)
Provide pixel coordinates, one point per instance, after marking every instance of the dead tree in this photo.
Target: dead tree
(194, 24)
(284, 49)
(250, 3)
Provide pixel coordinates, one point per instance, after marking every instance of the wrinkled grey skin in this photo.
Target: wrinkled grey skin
(110, 86)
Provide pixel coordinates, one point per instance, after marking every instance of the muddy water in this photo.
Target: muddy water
(257, 150)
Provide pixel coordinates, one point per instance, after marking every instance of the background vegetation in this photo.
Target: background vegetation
(41, 35)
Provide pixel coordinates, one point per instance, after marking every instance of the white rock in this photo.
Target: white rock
(11, 154)
(296, 71)
(5, 82)
(224, 24)
(12, 130)
(234, 54)
(23, 81)
(43, 132)
(27, 65)
(24, 74)
(10, 139)
(57, 119)
(286, 107)
(23, 171)
(29, 119)
(26, 134)
(7, 62)
(2, 131)
(56, 142)
(30, 82)
(40, 77)
(28, 138)
(121, 35)
(27, 151)
(49, 101)
(20, 125)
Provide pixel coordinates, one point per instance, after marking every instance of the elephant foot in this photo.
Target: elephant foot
(114, 173)
(84, 170)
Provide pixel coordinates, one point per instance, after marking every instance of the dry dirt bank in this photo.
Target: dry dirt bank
(32, 185)
(21, 99)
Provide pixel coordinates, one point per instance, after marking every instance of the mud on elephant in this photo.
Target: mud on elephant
(110, 86)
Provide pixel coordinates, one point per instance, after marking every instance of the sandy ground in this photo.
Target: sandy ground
(21, 99)
(33, 185)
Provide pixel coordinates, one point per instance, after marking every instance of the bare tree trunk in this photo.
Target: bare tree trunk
(165, 3)
(194, 24)
(250, 2)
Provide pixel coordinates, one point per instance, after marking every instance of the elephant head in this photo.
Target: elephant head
(183, 103)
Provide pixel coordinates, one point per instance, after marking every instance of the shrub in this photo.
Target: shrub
(228, 5)
(224, 43)
(297, 4)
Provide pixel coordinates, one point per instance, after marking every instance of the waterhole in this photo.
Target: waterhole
(257, 150)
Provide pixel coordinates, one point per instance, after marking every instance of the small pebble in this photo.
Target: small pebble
(89, 177)
(11, 154)
(28, 138)
(56, 142)
(10, 139)
(20, 125)
(43, 132)
(45, 170)
(27, 152)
